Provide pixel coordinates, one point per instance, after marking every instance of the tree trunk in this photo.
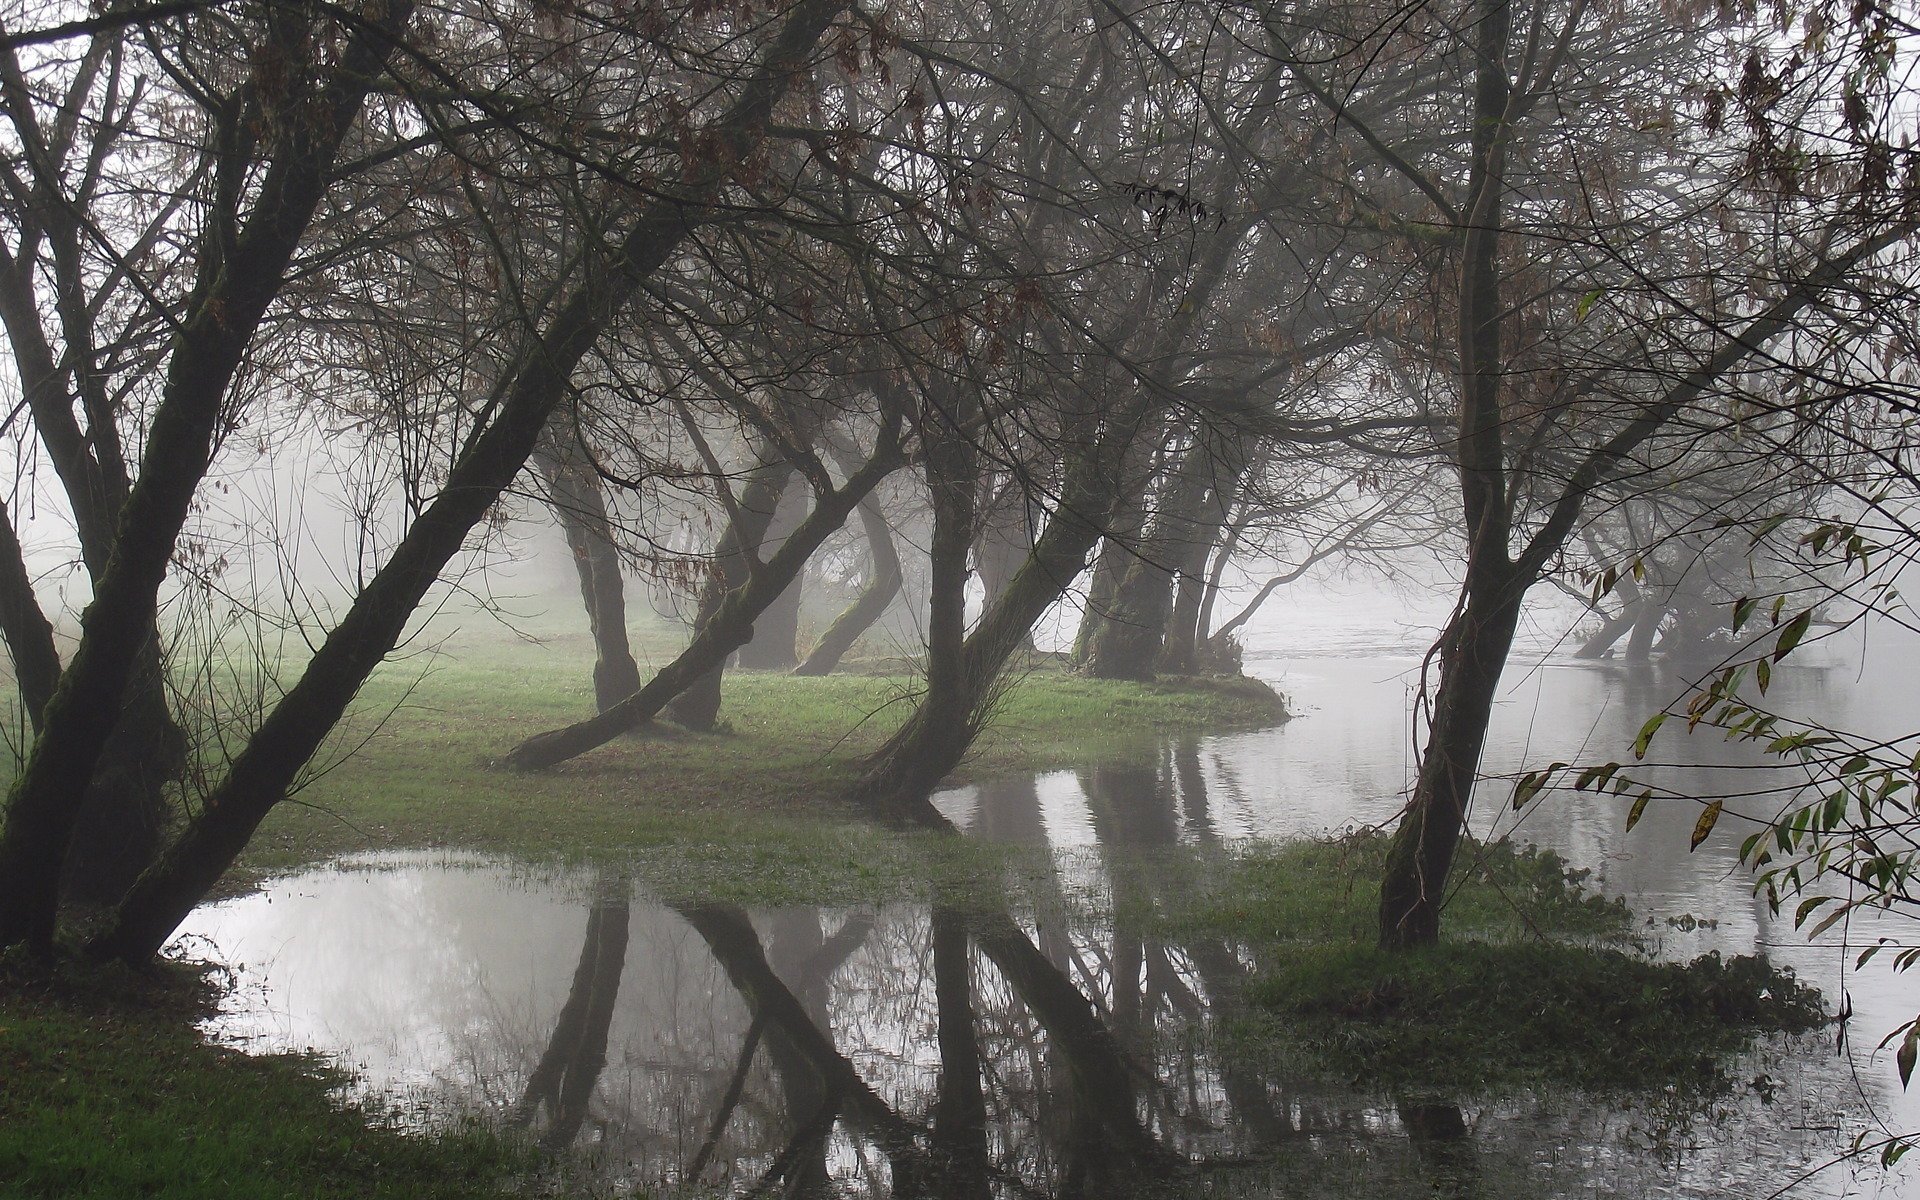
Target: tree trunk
(1473, 653)
(286, 740)
(729, 627)
(1109, 567)
(579, 501)
(1002, 542)
(698, 705)
(227, 306)
(868, 607)
(1473, 648)
(1187, 520)
(777, 631)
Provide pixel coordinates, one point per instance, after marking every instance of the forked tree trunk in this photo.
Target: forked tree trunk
(867, 608)
(901, 774)
(579, 501)
(207, 350)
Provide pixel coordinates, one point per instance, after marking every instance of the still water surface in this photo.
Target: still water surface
(1045, 1051)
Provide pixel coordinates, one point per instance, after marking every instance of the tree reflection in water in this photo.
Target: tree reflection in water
(948, 1050)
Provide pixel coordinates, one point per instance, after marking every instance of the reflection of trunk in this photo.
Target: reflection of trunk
(1104, 1078)
(730, 935)
(729, 626)
(777, 629)
(793, 941)
(698, 705)
(563, 1082)
(882, 586)
(960, 1111)
(1440, 1140)
(579, 502)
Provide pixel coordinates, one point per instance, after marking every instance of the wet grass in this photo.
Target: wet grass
(752, 812)
(1538, 983)
(109, 1093)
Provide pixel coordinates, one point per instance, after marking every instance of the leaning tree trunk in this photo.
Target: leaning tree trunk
(207, 349)
(698, 705)
(273, 757)
(579, 500)
(1473, 652)
(867, 608)
(729, 627)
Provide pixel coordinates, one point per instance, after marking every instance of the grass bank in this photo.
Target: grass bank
(110, 1093)
(411, 768)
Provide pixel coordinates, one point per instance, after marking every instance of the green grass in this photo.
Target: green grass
(768, 786)
(1538, 983)
(110, 1094)
(108, 1091)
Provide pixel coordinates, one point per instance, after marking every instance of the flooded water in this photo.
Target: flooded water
(1043, 1051)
